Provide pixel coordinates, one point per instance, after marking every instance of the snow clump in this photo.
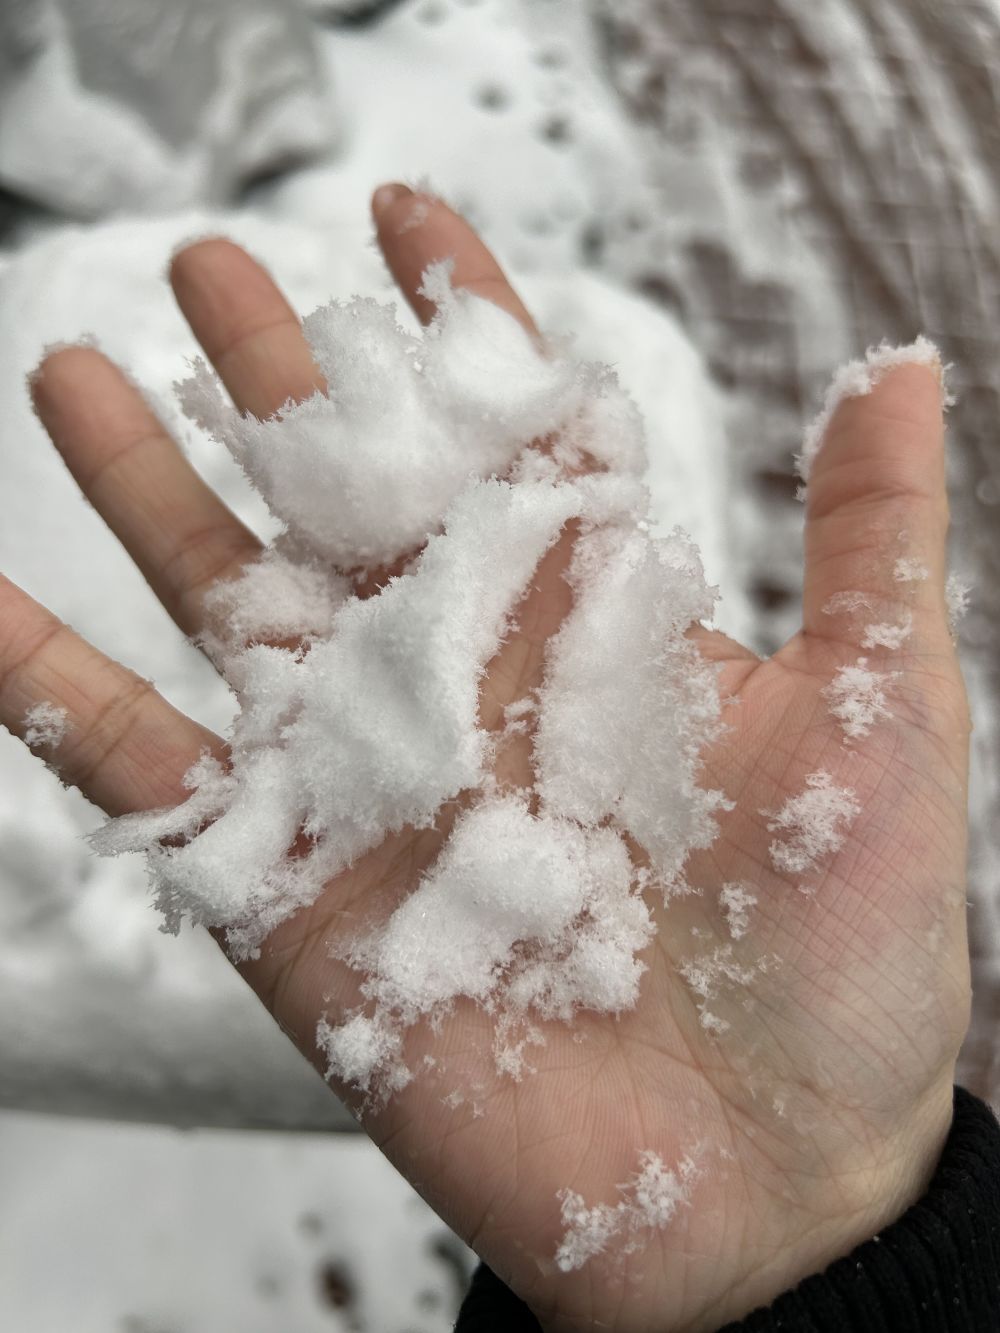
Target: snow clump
(419, 496)
(814, 822)
(648, 1201)
(857, 698)
(45, 725)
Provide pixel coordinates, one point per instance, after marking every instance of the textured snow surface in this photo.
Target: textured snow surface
(372, 726)
(701, 208)
(139, 1229)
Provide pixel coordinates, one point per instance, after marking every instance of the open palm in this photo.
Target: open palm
(803, 1064)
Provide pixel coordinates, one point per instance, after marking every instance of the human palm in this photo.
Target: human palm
(811, 1085)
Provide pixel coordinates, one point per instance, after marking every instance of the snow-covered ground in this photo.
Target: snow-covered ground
(652, 196)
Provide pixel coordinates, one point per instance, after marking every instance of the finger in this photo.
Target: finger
(877, 518)
(416, 230)
(124, 746)
(250, 333)
(178, 532)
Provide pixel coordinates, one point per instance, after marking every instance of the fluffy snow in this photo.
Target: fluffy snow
(857, 697)
(884, 635)
(957, 595)
(427, 450)
(649, 1201)
(99, 1012)
(45, 725)
(813, 824)
(859, 378)
(736, 900)
(707, 973)
(908, 569)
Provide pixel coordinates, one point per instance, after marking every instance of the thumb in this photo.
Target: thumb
(876, 506)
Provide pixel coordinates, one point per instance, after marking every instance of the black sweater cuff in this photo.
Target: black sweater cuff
(936, 1270)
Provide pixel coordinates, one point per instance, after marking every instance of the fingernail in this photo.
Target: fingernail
(387, 195)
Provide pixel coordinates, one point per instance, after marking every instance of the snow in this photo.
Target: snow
(884, 635)
(98, 1011)
(814, 823)
(143, 1229)
(736, 900)
(45, 725)
(908, 569)
(374, 726)
(859, 378)
(649, 1201)
(857, 696)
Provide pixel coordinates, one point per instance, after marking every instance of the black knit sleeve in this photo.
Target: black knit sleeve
(936, 1270)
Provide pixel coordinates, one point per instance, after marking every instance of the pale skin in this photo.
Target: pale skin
(819, 1114)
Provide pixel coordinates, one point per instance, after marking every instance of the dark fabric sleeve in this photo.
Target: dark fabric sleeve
(936, 1270)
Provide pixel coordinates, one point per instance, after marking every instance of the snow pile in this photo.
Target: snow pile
(814, 821)
(649, 1201)
(857, 698)
(457, 461)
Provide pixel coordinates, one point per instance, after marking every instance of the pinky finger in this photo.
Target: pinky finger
(121, 743)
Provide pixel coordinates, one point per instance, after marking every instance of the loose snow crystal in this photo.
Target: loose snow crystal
(846, 601)
(957, 595)
(857, 697)
(419, 497)
(45, 725)
(888, 636)
(736, 901)
(649, 1200)
(909, 570)
(855, 380)
(814, 823)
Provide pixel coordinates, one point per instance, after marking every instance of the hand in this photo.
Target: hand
(822, 1107)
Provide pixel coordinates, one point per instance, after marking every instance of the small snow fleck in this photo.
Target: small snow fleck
(815, 822)
(45, 725)
(888, 636)
(849, 600)
(957, 594)
(909, 570)
(735, 902)
(857, 698)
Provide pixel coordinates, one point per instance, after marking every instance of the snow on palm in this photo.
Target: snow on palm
(457, 459)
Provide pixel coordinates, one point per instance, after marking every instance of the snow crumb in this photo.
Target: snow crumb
(909, 570)
(45, 725)
(888, 636)
(815, 822)
(859, 378)
(957, 595)
(706, 974)
(649, 1200)
(417, 506)
(857, 697)
(735, 902)
(846, 601)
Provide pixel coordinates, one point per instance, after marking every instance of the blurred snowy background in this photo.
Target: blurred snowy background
(724, 198)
